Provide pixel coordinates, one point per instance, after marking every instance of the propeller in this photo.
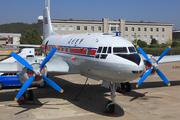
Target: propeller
(153, 66)
(36, 71)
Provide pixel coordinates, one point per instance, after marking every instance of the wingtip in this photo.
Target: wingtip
(169, 84)
(15, 99)
(137, 86)
(9, 51)
(56, 46)
(137, 46)
(62, 91)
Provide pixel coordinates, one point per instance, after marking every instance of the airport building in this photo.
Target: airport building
(129, 30)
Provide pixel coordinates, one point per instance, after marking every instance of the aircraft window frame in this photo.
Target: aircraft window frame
(99, 49)
(132, 49)
(109, 50)
(120, 50)
(97, 55)
(104, 50)
(103, 56)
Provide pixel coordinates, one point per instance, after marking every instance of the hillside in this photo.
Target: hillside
(17, 27)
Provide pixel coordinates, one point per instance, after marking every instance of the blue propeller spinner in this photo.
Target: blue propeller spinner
(37, 72)
(153, 66)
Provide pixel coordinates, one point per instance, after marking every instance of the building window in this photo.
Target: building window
(139, 37)
(132, 29)
(55, 27)
(163, 29)
(163, 37)
(157, 37)
(126, 28)
(99, 28)
(132, 37)
(139, 29)
(126, 36)
(92, 28)
(151, 29)
(157, 29)
(145, 37)
(71, 28)
(145, 29)
(85, 27)
(78, 27)
(63, 28)
(151, 37)
(113, 28)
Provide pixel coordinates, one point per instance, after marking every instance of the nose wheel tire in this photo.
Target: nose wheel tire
(110, 108)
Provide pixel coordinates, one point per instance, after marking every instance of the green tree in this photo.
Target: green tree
(142, 44)
(153, 41)
(175, 44)
(31, 37)
(134, 42)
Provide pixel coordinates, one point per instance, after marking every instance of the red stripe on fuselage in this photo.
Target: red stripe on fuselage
(78, 51)
(93, 52)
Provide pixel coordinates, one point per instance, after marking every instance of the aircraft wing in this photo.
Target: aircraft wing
(24, 45)
(9, 67)
(60, 66)
(169, 58)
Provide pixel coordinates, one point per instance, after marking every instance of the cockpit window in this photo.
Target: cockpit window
(132, 49)
(104, 50)
(120, 50)
(109, 50)
(99, 50)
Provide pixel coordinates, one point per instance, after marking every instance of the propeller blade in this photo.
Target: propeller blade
(143, 77)
(24, 88)
(52, 84)
(143, 53)
(164, 53)
(21, 60)
(161, 75)
(48, 57)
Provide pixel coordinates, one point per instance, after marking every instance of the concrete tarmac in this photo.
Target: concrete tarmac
(152, 100)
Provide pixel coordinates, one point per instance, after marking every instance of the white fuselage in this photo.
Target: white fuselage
(97, 55)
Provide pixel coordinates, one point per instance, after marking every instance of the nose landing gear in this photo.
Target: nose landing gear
(110, 106)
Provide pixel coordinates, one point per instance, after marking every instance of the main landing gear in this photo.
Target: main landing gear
(110, 105)
(27, 96)
(124, 87)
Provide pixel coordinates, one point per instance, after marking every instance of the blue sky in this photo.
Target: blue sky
(27, 11)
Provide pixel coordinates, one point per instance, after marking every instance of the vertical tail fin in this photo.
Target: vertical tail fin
(47, 27)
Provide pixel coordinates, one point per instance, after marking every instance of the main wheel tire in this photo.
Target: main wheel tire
(127, 87)
(110, 108)
(1, 86)
(28, 95)
(41, 85)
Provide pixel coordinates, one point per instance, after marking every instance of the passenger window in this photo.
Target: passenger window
(119, 50)
(109, 50)
(99, 50)
(104, 50)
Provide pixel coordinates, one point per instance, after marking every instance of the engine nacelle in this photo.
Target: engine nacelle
(148, 66)
(26, 73)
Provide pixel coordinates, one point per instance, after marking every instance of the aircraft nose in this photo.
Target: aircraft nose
(131, 57)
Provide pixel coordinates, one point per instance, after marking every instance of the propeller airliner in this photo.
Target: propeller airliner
(100, 56)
